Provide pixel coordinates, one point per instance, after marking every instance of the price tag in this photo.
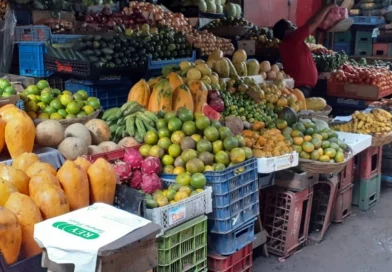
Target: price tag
(284, 162)
(63, 67)
(176, 214)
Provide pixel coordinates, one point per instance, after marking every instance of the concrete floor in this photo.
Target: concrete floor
(362, 243)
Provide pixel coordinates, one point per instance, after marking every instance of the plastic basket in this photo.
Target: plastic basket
(366, 192)
(342, 46)
(184, 248)
(342, 207)
(227, 244)
(64, 38)
(110, 94)
(368, 163)
(175, 214)
(239, 261)
(31, 60)
(368, 20)
(159, 64)
(32, 33)
(32, 264)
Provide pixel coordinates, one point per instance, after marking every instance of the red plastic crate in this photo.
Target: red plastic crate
(342, 207)
(347, 175)
(380, 49)
(368, 163)
(241, 261)
(111, 155)
(286, 218)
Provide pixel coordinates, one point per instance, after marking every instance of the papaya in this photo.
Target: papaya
(17, 177)
(2, 134)
(38, 167)
(300, 97)
(41, 181)
(25, 160)
(215, 55)
(51, 201)
(239, 56)
(315, 103)
(222, 68)
(102, 177)
(153, 81)
(28, 215)
(74, 181)
(83, 163)
(10, 236)
(199, 95)
(161, 97)
(241, 69)
(6, 189)
(174, 80)
(19, 134)
(182, 97)
(253, 67)
(140, 93)
(232, 70)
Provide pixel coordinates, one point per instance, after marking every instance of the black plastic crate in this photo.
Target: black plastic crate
(266, 180)
(129, 199)
(32, 264)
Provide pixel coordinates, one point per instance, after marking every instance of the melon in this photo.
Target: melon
(72, 147)
(79, 131)
(202, 6)
(231, 10)
(219, 9)
(49, 133)
(100, 131)
(211, 113)
(211, 7)
(108, 146)
(94, 149)
(238, 12)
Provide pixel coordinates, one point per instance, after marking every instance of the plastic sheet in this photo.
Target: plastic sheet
(7, 29)
(334, 16)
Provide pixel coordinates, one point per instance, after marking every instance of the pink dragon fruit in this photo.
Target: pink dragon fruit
(133, 157)
(213, 95)
(217, 105)
(151, 165)
(135, 181)
(151, 183)
(123, 170)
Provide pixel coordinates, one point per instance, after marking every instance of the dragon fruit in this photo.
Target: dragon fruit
(151, 165)
(136, 180)
(213, 95)
(133, 158)
(150, 183)
(217, 105)
(123, 170)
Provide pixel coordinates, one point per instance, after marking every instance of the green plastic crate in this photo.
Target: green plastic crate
(184, 248)
(366, 192)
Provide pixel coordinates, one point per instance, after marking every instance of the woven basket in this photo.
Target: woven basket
(310, 114)
(317, 167)
(67, 122)
(382, 139)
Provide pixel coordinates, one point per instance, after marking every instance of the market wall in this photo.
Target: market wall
(267, 12)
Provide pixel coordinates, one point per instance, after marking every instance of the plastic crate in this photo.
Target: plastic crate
(347, 175)
(342, 207)
(343, 37)
(241, 261)
(159, 64)
(380, 49)
(109, 94)
(184, 248)
(366, 192)
(363, 37)
(227, 244)
(175, 214)
(64, 38)
(368, 163)
(342, 46)
(129, 199)
(324, 194)
(286, 217)
(32, 264)
(368, 20)
(32, 33)
(31, 60)
(266, 180)
(363, 49)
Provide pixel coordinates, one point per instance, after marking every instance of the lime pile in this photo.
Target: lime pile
(188, 143)
(41, 101)
(6, 89)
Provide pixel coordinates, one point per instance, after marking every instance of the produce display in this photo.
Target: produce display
(233, 10)
(315, 103)
(211, 6)
(376, 122)
(256, 32)
(319, 49)
(208, 42)
(43, 102)
(368, 75)
(329, 63)
(228, 22)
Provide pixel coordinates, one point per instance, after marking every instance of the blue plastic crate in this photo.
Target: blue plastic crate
(159, 64)
(64, 38)
(227, 244)
(32, 33)
(342, 46)
(110, 94)
(386, 180)
(31, 60)
(368, 20)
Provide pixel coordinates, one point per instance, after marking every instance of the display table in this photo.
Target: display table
(45, 154)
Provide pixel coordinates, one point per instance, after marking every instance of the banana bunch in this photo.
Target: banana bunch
(129, 120)
(377, 122)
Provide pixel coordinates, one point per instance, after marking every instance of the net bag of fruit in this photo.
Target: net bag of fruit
(334, 16)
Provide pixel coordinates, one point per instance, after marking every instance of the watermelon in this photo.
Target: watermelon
(211, 113)
(231, 10)
(238, 12)
(289, 115)
(211, 7)
(219, 9)
(202, 6)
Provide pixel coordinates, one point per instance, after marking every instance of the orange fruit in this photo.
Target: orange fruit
(298, 140)
(307, 138)
(308, 147)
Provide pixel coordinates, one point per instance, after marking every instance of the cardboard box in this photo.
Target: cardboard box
(295, 179)
(249, 46)
(357, 142)
(269, 165)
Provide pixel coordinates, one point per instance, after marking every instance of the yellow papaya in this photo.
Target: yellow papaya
(140, 93)
(174, 80)
(182, 97)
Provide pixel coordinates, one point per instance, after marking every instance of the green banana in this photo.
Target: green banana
(148, 126)
(130, 126)
(138, 137)
(140, 127)
(126, 106)
(113, 115)
(132, 109)
(108, 113)
(144, 118)
(119, 131)
(113, 128)
(121, 121)
(151, 115)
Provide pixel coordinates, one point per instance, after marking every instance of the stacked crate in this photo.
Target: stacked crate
(342, 207)
(367, 178)
(386, 165)
(342, 42)
(363, 43)
(231, 225)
